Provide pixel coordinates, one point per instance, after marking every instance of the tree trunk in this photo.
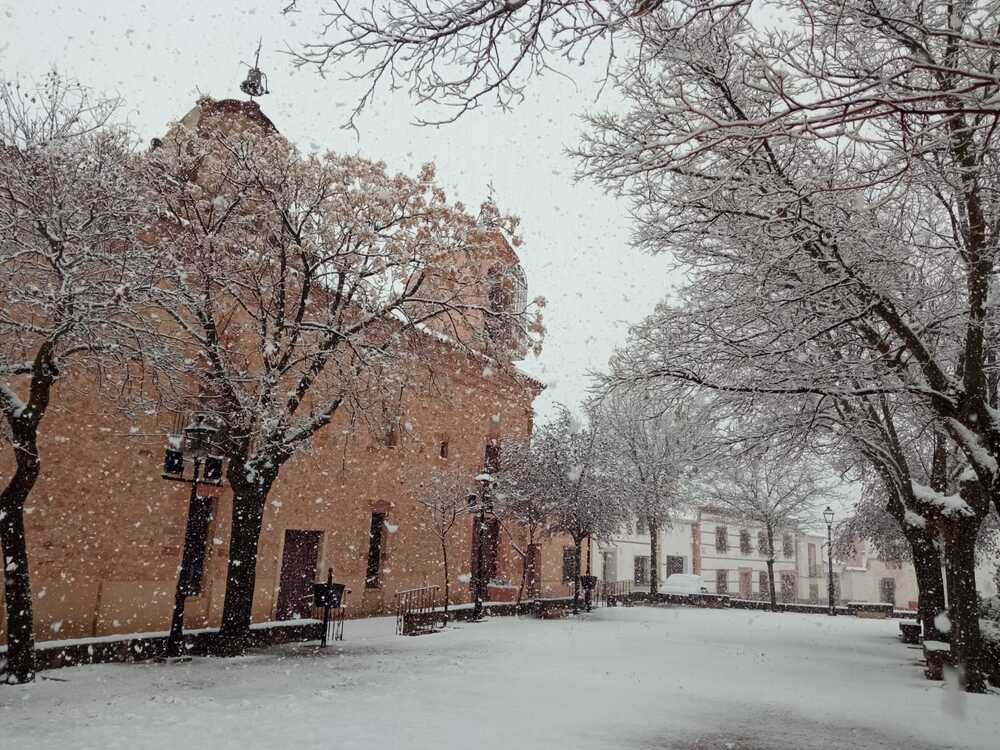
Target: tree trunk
(930, 582)
(524, 578)
(249, 500)
(577, 543)
(654, 555)
(770, 570)
(447, 579)
(960, 565)
(530, 563)
(20, 666)
(770, 585)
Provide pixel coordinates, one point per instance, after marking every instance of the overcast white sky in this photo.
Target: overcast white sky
(160, 56)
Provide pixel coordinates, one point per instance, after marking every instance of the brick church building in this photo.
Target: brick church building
(105, 529)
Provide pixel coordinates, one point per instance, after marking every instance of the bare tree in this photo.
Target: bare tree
(883, 443)
(302, 285)
(73, 282)
(565, 474)
(770, 489)
(521, 512)
(462, 53)
(833, 202)
(446, 498)
(656, 446)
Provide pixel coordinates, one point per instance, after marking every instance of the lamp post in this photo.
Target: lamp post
(828, 517)
(206, 470)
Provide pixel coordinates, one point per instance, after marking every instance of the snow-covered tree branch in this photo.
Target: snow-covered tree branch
(302, 285)
(75, 285)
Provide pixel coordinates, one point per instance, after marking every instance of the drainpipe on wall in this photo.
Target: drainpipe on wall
(97, 607)
(696, 547)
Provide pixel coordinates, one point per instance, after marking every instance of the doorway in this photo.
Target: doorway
(298, 573)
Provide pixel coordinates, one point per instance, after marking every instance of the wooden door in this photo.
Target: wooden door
(746, 583)
(298, 573)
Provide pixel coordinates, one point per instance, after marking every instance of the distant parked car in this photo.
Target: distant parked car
(685, 584)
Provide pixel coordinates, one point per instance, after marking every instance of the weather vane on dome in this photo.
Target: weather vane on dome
(256, 82)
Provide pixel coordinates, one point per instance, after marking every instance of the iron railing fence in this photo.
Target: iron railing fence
(612, 593)
(411, 602)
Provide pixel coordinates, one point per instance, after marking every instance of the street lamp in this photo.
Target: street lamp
(828, 517)
(206, 470)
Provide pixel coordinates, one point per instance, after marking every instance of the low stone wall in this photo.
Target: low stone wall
(140, 647)
(764, 605)
(463, 612)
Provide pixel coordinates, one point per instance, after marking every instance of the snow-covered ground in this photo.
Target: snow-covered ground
(620, 678)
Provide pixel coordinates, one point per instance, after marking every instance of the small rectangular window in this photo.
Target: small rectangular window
(721, 539)
(390, 437)
(762, 546)
(788, 545)
(640, 526)
(491, 461)
(722, 581)
(764, 586)
(444, 449)
(374, 572)
(745, 546)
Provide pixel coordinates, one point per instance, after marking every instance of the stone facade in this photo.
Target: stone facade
(105, 529)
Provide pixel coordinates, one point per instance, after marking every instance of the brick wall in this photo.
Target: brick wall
(105, 530)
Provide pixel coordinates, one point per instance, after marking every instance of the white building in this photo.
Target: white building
(867, 578)
(627, 555)
(727, 554)
(731, 558)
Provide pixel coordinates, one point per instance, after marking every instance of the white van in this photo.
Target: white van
(684, 584)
